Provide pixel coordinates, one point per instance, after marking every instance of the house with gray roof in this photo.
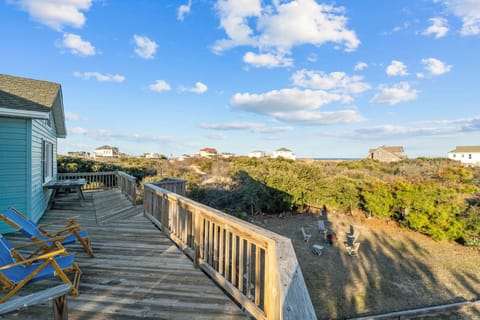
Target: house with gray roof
(31, 120)
(387, 154)
(466, 154)
(284, 153)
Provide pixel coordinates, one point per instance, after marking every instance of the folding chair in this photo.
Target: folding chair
(15, 275)
(69, 233)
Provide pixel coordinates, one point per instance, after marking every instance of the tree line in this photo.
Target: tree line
(437, 197)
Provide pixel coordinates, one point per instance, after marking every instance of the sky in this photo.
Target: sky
(324, 79)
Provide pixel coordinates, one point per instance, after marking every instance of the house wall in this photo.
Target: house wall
(41, 131)
(465, 157)
(14, 165)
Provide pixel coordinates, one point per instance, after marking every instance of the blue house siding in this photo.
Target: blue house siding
(31, 120)
(41, 132)
(14, 164)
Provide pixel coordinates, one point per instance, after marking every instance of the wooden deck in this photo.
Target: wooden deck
(137, 272)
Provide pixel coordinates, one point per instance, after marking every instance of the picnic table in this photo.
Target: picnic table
(57, 185)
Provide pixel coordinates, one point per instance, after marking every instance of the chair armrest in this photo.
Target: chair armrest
(44, 256)
(72, 220)
(55, 233)
(56, 240)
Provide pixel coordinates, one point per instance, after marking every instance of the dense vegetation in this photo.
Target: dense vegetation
(437, 197)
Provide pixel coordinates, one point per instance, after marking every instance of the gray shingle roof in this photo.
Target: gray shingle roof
(34, 99)
(27, 94)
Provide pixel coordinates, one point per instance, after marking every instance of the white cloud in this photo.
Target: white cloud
(145, 48)
(314, 118)
(397, 68)
(121, 136)
(159, 86)
(77, 131)
(254, 127)
(282, 25)
(295, 106)
(438, 27)
(183, 10)
(284, 100)
(436, 67)
(77, 45)
(399, 92)
(70, 116)
(268, 60)
(199, 88)
(100, 76)
(360, 66)
(423, 128)
(335, 81)
(57, 13)
(469, 12)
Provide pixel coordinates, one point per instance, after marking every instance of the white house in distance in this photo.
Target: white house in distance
(284, 153)
(466, 154)
(106, 152)
(207, 152)
(257, 154)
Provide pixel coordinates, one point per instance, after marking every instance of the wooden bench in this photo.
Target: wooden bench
(59, 304)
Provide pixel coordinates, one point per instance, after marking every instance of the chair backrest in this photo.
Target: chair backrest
(25, 226)
(5, 252)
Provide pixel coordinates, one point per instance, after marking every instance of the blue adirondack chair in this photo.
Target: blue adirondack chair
(69, 233)
(14, 275)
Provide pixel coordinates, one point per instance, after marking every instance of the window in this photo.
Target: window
(47, 161)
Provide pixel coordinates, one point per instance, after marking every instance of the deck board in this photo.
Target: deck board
(138, 273)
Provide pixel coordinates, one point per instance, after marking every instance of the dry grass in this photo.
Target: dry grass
(396, 269)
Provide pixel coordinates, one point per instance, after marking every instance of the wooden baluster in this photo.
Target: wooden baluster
(233, 278)
(240, 263)
(258, 266)
(221, 259)
(227, 254)
(210, 244)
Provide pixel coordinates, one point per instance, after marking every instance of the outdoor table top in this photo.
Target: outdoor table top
(65, 183)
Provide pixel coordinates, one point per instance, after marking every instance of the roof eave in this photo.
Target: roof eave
(27, 114)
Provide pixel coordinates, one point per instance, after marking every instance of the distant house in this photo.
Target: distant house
(79, 154)
(151, 155)
(284, 153)
(387, 154)
(184, 157)
(207, 152)
(257, 154)
(466, 154)
(31, 120)
(106, 152)
(227, 155)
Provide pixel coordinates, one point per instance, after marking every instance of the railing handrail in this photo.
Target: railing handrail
(236, 254)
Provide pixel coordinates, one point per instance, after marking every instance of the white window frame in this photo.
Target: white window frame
(47, 161)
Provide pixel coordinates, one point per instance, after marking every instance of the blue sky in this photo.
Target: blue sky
(324, 79)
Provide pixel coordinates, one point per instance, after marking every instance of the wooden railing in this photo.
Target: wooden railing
(258, 268)
(128, 185)
(95, 180)
(172, 184)
(106, 180)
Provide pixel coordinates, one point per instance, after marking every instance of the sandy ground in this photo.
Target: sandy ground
(396, 269)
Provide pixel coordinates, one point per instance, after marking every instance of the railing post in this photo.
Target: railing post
(273, 308)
